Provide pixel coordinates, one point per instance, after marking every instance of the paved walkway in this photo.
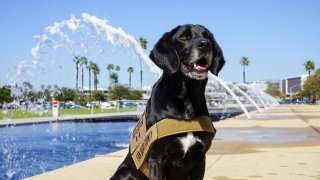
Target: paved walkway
(281, 143)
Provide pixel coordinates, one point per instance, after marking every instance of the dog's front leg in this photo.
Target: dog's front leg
(197, 173)
(156, 170)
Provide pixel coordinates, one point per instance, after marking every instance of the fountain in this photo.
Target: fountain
(255, 93)
(244, 91)
(232, 94)
(91, 26)
(247, 96)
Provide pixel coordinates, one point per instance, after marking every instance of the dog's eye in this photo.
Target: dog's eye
(184, 37)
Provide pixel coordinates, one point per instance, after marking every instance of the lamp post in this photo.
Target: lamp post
(290, 90)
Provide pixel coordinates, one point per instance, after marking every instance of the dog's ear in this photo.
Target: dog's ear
(164, 55)
(217, 57)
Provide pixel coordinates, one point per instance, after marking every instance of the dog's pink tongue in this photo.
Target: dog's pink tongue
(201, 67)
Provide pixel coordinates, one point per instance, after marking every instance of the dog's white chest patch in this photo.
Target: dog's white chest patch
(187, 141)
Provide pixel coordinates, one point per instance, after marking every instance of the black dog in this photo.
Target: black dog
(185, 55)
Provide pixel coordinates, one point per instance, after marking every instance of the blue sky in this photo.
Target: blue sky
(277, 36)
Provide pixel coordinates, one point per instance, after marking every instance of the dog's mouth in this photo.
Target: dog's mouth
(197, 70)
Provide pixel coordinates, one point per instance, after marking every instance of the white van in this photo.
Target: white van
(105, 105)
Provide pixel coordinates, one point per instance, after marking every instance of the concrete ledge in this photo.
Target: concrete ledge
(97, 168)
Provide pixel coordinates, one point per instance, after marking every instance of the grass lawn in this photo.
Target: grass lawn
(95, 111)
(16, 114)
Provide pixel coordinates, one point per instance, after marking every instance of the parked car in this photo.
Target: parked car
(128, 105)
(12, 106)
(105, 105)
(89, 104)
(76, 107)
(285, 101)
(212, 103)
(299, 102)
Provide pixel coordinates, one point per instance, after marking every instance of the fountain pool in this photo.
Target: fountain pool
(34, 149)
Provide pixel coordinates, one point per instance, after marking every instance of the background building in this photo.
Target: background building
(292, 85)
(259, 85)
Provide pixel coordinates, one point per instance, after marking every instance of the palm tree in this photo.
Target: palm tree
(110, 67)
(89, 67)
(27, 88)
(77, 61)
(83, 63)
(309, 65)
(117, 68)
(96, 71)
(114, 77)
(143, 44)
(130, 71)
(244, 62)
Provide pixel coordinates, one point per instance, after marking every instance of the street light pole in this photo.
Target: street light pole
(140, 75)
(291, 90)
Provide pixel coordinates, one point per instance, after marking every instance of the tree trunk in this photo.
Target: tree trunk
(140, 75)
(95, 82)
(110, 83)
(82, 79)
(90, 83)
(77, 78)
(244, 76)
(130, 81)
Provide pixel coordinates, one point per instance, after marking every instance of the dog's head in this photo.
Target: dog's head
(190, 49)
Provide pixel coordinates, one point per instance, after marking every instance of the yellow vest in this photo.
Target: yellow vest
(143, 139)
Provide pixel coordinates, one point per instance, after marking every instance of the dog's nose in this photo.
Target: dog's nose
(203, 44)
